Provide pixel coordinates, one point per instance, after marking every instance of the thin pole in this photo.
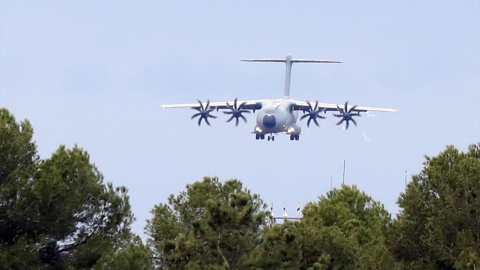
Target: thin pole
(343, 181)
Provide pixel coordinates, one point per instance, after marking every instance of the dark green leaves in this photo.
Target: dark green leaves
(211, 225)
(58, 213)
(440, 224)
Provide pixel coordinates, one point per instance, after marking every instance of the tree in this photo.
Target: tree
(352, 225)
(439, 226)
(55, 213)
(18, 160)
(18, 154)
(343, 230)
(133, 255)
(279, 248)
(211, 225)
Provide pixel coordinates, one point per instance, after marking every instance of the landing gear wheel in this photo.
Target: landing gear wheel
(262, 136)
(257, 136)
(297, 137)
(292, 137)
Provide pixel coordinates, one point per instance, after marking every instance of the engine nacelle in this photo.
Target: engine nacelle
(293, 129)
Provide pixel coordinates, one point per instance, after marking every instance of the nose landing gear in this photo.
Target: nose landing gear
(295, 137)
(262, 137)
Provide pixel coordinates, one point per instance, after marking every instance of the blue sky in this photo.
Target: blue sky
(95, 74)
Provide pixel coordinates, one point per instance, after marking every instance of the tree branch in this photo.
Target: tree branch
(220, 252)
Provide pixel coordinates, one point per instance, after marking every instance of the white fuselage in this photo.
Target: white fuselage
(277, 116)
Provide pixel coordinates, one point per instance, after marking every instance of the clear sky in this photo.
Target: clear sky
(94, 73)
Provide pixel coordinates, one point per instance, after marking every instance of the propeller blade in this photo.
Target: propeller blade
(309, 106)
(203, 113)
(241, 105)
(206, 121)
(201, 105)
(312, 112)
(243, 117)
(236, 111)
(352, 109)
(347, 115)
(340, 109)
(195, 115)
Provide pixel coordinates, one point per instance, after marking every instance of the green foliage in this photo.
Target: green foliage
(350, 226)
(439, 227)
(211, 225)
(18, 154)
(132, 256)
(343, 230)
(279, 248)
(24, 253)
(18, 160)
(55, 213)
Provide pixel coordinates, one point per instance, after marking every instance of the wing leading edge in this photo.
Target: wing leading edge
(219, 105)
(304, 105)
(298, 106)
(344, 112)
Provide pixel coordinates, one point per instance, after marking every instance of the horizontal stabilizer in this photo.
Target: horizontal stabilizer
(291, 60)
(288, 72)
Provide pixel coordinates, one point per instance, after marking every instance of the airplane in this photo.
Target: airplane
(278, 115)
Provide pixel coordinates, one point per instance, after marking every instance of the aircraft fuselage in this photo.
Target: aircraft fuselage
(277, 116)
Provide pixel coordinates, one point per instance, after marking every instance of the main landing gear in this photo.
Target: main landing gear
(262, 137)
(293, 137)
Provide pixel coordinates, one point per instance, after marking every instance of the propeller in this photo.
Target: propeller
(203, 112)
(313, 113)
(347, 115)
(236, 111)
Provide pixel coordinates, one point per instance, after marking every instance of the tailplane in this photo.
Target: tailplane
(288, 71)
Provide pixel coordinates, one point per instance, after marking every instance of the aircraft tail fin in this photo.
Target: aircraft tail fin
(288, 72)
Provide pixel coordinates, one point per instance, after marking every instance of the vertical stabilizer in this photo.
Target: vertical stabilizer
(288, 68)
(288, 76)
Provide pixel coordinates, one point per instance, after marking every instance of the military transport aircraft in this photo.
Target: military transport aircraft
(278, 115)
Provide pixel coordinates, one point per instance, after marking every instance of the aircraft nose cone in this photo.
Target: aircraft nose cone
(269, 121)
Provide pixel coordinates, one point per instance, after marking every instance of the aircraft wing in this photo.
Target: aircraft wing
(219, 105)
(304, 106)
